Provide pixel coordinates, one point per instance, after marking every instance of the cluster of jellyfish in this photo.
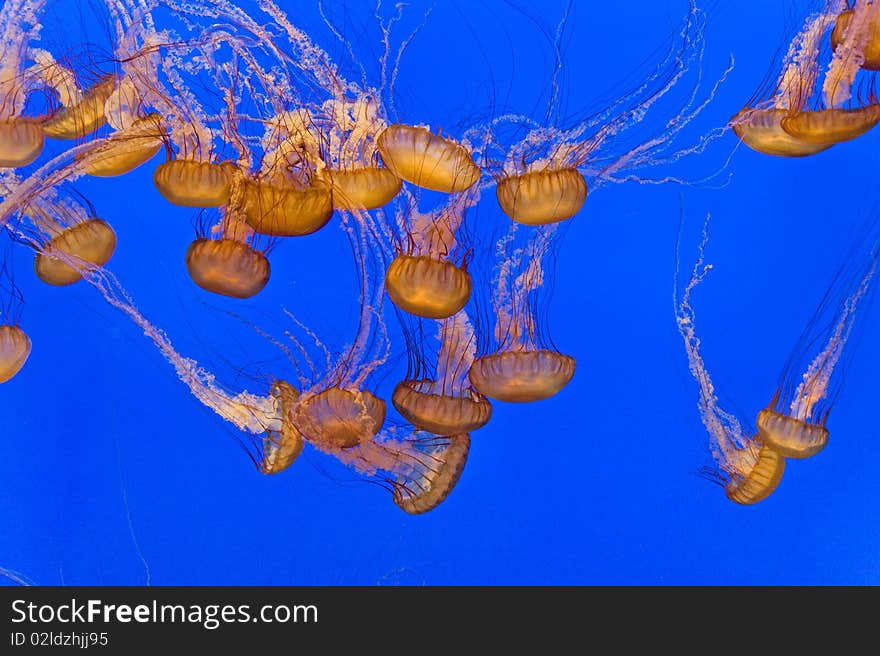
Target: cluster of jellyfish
(289, 141)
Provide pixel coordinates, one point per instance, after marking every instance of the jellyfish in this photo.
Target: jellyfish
(21, 137)
(747, 469)
(439, 470)
(812, 106)
(523, 366)
(794, 422)
(544, 170)
(442, 401)
(64, 232)
(228, 260)
(15, 345)
(428, 160)
(428, 277)
(871, 50)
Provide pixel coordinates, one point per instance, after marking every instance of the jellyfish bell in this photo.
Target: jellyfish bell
(282, 447)
(761, 130)
(121, 154)
(543, 196)
(421, 493)
(367, 188)
(227, 267)
(281, 209)
(760, 481)
(826, 127)
(427, 287)
(339, 418)
(521, 376)
(190, 183)
(429, 409)
(427, 160)
(15, 347)
(871, 51)
(21, 142)
(92, 242)
(84, 116)
(790, 437)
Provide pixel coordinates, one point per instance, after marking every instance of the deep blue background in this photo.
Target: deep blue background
(100, 441)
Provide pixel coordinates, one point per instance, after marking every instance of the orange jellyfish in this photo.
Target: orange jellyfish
(442, 401)
(543, 172)
(285, 198)
(871, 49)
(794, 423)
(747, 469)
(67, 236)
(21, 137)
(15, 345)
(428, 160)
(425, 487)
(812, 106)
(428, 277)
(228, 260)
(522, 367)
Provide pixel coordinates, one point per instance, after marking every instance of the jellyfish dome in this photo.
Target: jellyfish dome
(757, 482)
(792, 438)
(15, 347)
(427, 287)
(543, 196)
(21, 142)
(416, 495)
(827, 127)
(871, 52)
(82, 117)
(522, 376)
(437, 413)
(281, 448)
(191, 183)
(123, 153)
(284, 210)
(363, 189)
(339, 418)
(761, 130)
(227, 267)
(92, 242)
(427, 160)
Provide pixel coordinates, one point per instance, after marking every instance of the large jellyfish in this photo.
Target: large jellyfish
(748, 470)
(794, 421)
(543, 171)
(437, 396)
(818, 100)
(523, 366)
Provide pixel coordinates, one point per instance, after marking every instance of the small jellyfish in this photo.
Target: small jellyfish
(427, 160)
(424, 278)
(442, 401)
(227, 261)
(793, 424)
(748, 470)
(522, 368)
(15, 347)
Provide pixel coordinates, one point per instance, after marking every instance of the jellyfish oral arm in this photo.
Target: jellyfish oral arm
(849, 57)
(817, 378)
